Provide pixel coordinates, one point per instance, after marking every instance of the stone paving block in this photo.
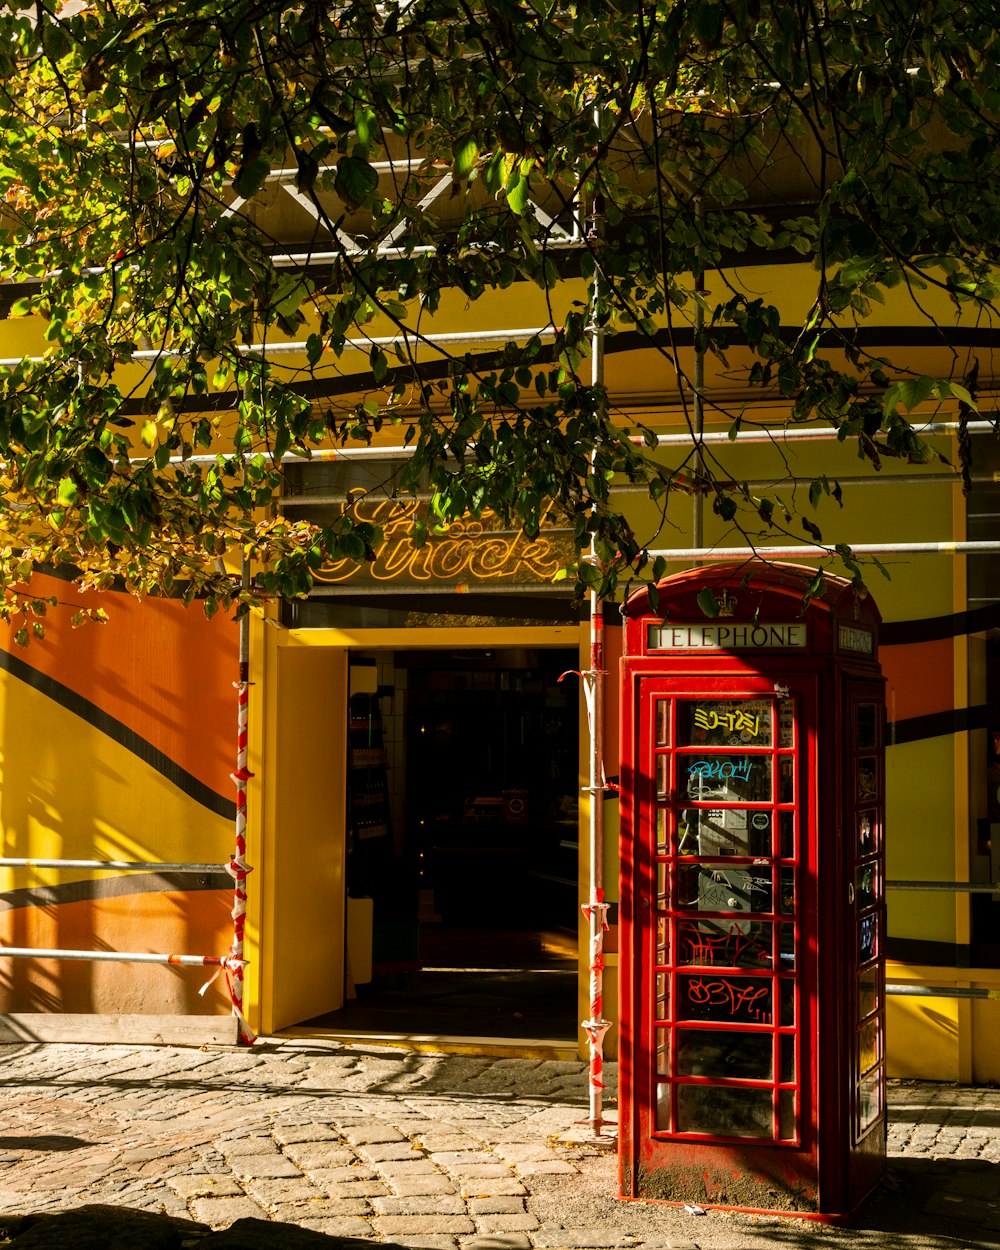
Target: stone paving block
(233, 1147)
(522, 1152)
(371, 1134)
(497, 1205)
(420, 1204)
(418, 1186)
(449, 1158)
(205, 1185)
(336, 1176)
(493, 1188)
(322, 1209)
(581, 1239)
(334, 1227)
(220, 1212)
(429, 1241)
(516, 1223)
(481, 1170)
(446, 1142)
(356, 1189)
(418, 1166)
(383, 1151)
(391, 1225)
(271, 1192)
(253, 1167)
(143, 1154)
(319, 1154)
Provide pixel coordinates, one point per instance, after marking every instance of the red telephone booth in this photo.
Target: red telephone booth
(752, 917)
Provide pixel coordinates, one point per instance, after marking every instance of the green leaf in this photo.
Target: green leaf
(68, 492)
(355, 181)
(251, 177)
(517, 195)
(812, 530)
(466, 157)
(708, 602)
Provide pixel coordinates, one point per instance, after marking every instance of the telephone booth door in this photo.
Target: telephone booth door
(863, 823)
(752, 1055)
(729, 890)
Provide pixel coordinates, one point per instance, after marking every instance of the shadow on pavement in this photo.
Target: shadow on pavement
(121, 1228)
(926, 1205)
(43, 1142)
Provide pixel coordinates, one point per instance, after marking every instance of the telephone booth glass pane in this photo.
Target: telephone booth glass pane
(725, 723)
(866, 790)
(728, 784)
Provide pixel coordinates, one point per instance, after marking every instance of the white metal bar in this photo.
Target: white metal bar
(810, 551)
(939, 991)
(792, 434)
(349, 245)
(952, 887)
(114, 865)
(414, 338)
(128, 957)
(397, 232)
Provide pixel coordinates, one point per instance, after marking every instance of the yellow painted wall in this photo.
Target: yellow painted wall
(115, 743)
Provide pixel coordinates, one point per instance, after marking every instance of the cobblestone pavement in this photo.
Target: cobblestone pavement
(429, 1151)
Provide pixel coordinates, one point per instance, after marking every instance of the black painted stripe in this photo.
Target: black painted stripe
(938, 724)
(113, 887)
(120, 733)
(939, 628)
(932, 954)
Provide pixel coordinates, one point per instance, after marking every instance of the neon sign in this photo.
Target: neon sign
(469, 550)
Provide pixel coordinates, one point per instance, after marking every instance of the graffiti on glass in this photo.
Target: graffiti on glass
(738, 721)
(729, 947)
(721, 769)
(867, 943)
(728, 998)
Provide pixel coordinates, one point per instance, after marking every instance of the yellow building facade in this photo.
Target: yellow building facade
(419, 748)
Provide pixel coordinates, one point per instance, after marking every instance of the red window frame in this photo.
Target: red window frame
(683, 1004)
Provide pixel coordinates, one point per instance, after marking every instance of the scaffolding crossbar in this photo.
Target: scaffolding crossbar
(124, 957)
(959, 887)
(115, 865)
(906, 989)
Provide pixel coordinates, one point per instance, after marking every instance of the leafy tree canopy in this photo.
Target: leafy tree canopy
(633, 145)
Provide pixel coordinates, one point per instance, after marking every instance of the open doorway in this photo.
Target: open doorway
(462, 852)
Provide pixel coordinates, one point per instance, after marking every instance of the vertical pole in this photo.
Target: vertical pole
(698, 519)
(239, 868)
(595, 909)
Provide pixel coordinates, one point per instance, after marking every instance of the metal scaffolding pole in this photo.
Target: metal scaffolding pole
(811, 551)
(798, 434)
(596, 909)
(239, 869)
(115, 865)
(121, 957)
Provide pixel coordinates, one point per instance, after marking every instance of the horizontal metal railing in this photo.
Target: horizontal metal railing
(114, 865)
(232, 869)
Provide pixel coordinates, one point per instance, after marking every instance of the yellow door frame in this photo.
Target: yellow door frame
(296, 837)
